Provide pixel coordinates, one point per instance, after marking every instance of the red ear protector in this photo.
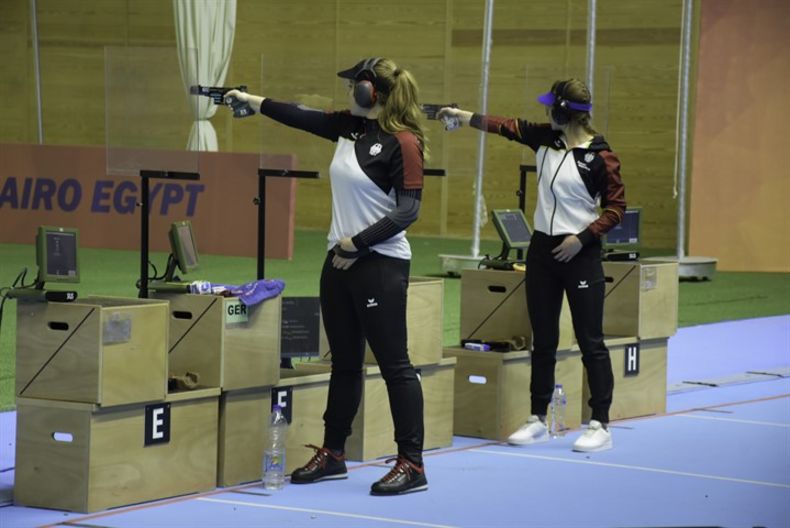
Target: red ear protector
(365, 81)
(561, 107)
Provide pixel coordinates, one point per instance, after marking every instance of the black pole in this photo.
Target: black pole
(144, 195)
(260, 201)
(145, 176)
(522, 196)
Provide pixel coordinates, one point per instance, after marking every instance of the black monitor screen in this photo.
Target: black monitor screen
(184, 249)
(61, 254)
(57, 254)
(512, 227)
(187, 245)
(627, 231)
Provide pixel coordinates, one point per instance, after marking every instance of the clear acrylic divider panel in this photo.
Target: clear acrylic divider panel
(284, 147)
(149, 110)
(310, 83)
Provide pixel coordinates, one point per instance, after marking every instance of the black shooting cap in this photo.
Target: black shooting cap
(363, 65)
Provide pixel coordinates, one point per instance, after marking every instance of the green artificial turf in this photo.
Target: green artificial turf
(113, 273)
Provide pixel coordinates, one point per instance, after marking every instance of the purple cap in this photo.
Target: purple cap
(548, 99)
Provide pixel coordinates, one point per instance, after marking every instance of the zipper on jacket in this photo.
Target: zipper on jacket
(551, 188)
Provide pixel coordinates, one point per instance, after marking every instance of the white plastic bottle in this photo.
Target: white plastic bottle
(274, 451)
(559, 402)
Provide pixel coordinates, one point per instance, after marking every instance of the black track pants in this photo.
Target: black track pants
(582, 279)
(368, 301)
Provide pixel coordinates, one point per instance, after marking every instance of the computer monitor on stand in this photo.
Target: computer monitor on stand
(622, 241)
(513, 229)
(183, 250)
(57, 255)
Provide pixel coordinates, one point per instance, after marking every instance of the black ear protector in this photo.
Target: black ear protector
(562, 108)
(560, 112)
(365, 93)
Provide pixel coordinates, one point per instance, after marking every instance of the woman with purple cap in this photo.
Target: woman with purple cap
(376, 177)
(580, 197)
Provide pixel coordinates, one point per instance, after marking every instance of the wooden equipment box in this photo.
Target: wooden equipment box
(373, 432)
(305, 392)
(640, 378)
(494, 307)
(641, 299)
(492, 396)
(243, 430)
(102, 350)
(80, 457)
(424, 323)
(228, 344)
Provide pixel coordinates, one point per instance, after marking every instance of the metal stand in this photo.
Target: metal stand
(260, 202)
(522, 195)
(453, 265)
(145, 176)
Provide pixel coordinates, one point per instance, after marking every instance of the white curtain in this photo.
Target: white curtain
(204, 33)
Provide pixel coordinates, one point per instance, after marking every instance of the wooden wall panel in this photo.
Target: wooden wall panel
(305, 42)
(739, 186)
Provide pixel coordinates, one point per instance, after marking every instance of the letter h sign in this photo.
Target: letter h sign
(631, 360)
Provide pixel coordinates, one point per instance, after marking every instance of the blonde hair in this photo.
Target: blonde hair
(401, 109)
(576, 90)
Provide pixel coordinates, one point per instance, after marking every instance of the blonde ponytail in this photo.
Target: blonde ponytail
(401, 109)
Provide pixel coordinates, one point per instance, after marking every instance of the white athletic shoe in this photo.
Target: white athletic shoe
(595, 438)
(532, 432)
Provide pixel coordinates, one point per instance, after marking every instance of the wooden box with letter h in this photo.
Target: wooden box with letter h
(227, 344)
(640, 378)
(492, 396)
(494, 308)
(82, 457)
(641, 299)
(101, 350)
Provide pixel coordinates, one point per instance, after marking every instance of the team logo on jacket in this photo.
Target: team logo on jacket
(372, 303)
(375, 150)
(589, 157)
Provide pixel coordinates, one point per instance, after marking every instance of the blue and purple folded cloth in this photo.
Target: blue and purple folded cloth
(250, 293)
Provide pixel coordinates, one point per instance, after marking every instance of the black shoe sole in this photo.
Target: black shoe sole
(338, 476)
(415, 489)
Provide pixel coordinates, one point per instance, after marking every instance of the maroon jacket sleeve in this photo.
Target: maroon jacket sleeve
(531, 134)
(612, 200)
(406, 165)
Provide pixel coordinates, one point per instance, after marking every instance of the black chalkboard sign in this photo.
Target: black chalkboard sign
(300, 327)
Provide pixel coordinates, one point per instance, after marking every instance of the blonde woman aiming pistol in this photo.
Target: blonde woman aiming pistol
(376, 177)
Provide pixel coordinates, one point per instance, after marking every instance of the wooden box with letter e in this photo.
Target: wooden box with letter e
(373, 433)
(102, 350)
(302, 395)
(494, 308)
(492, 397)
(82, 457)
(640, 378)
(243, 430)
(226, 343)
(641, 299)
